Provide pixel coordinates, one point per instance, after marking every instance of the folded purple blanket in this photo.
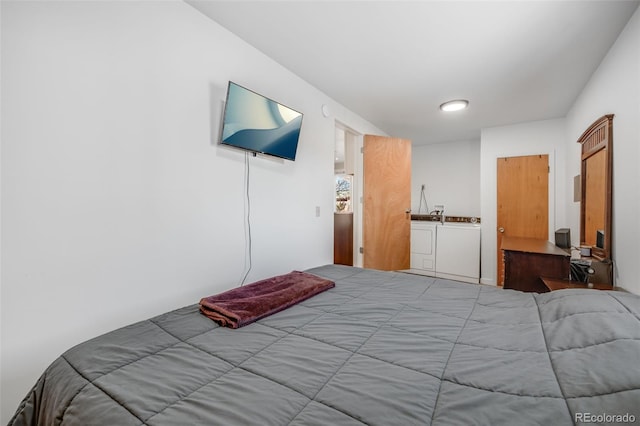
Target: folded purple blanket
(244, 305)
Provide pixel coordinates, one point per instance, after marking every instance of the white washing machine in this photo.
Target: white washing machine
(458, 252)
(423, 247)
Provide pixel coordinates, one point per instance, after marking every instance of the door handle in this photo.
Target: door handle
(501, 230)
(407, 211)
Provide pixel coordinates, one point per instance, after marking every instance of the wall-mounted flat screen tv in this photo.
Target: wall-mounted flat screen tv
(259, 124)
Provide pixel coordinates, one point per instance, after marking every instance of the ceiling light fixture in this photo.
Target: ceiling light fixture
(457, 105)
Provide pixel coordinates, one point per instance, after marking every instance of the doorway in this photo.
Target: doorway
(346, 207)
(522, 200)
(380, 191)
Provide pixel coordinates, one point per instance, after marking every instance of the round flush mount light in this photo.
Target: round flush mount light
(456, 105)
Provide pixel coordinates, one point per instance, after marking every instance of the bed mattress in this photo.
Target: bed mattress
(381, 348)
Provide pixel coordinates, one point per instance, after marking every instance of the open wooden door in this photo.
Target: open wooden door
(386, 203)
(523, 200)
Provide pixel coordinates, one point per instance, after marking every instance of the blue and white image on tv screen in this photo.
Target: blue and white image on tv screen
(254, 122)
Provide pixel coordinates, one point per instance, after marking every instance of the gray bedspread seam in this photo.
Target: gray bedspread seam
(179, 340)
(553, 368)
(435, 404)
(354, 268)
(326, 405)
(582, 313)
(321, 314)
(499, 391)
(568, 293)
(614, 297)
(354, 352)
(79, 390)
(499, 324)
(234, 366)
(578, 348)
(602, 394)
(461, 343)
(512, 350)
(90, 382)
(499, 349)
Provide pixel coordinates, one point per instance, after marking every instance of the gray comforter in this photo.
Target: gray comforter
(380, 348)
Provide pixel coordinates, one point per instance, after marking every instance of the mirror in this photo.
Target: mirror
(595, 204)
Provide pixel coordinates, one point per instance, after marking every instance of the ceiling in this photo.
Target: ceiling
(395, 62)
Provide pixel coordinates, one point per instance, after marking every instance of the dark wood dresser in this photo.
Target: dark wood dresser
(526, 260)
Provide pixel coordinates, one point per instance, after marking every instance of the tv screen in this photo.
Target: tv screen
(259, 124)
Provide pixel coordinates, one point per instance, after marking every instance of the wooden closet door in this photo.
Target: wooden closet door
(523, 200)
(386, 203)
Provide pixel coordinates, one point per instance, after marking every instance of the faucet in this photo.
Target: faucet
(439, 213)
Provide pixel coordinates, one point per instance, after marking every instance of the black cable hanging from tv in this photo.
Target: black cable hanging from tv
(247, 228)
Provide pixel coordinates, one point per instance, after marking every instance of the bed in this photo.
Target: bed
(381, 348)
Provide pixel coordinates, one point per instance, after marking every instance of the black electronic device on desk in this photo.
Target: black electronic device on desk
(563, 238)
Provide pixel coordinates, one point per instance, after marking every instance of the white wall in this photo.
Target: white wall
(117, 204)
(615, 89)
(451, 175)
(540, 137)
